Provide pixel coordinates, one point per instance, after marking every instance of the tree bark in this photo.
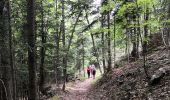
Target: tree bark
(114, 36)
(103, 45)
(31, 49)
(134, 52)
(146, 17)
(42, 52)
(109, 43)
(83, 58)
(5, 69)
(11, 53)
(57, 39)
(63, 40)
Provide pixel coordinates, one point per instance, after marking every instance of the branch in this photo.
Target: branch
(73, 30)
(90, 25)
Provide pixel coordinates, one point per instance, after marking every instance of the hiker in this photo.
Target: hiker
(93, 69)
(88, 71)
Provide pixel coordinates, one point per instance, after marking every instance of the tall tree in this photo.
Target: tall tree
(103, 37)
(5, 69)
(57, 40)
(13, 76)
(31, 49)
(109, 43)
(42, 51)
(64, 44)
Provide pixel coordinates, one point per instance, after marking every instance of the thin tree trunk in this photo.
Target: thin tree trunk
(127, 39)
(31, 49)
(145, 42)
(63, 40)
(109, 43)
(114, 36)
(83, 59)
(133, 37)
(57, 69)
(103, 45)
(42, 52)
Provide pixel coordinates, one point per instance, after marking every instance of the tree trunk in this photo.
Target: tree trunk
(109, 43)
(57, 39)
(146, 17)
(31, 49)
(11, 53)
(5, 69)
(134, 52)
(127, 38)
(103, 45)
(42, 52)
(63, 40)
(114, 36)
(83, 59)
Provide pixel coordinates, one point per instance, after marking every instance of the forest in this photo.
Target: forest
(47, 46)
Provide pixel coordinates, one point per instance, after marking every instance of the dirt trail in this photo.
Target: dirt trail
(78, 91)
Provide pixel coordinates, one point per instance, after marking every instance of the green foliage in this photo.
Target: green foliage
(108, 7)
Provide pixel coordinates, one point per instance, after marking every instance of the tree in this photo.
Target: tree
(11, 51)
(57, 40)
(109, 42)
(146, 17)
(103, 37)
(64, 44)
(5, 79)
(31, 49)
(42, 51)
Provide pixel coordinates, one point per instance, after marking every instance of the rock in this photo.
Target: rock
(160, 73)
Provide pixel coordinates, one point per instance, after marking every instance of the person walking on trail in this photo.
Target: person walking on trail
(88, 71)
(93, 68)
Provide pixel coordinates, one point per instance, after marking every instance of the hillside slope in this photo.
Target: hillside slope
(128, 82)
